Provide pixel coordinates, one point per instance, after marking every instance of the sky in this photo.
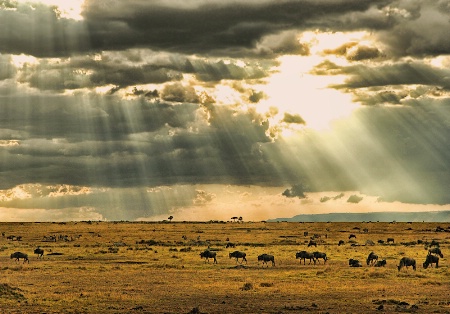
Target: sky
(206, 109)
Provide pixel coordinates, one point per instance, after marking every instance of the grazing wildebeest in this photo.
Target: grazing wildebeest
(207, 255)
(303, 255)
(372, 258)
(311, 243)
(406, 262)
(237, 255)
(39, 252)
(229, 244)
(381, 263)
(390, 240)
(380, 241)
(430, 260)
(354, 263)
(436, 251)
(365, 230)
(19, 255)
(318, 255)
(265, 258)
(351, 236)
(341, 242)
(434, 243)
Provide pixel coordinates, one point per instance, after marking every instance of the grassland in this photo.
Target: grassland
(124, 267)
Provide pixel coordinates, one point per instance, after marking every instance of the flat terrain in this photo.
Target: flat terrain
(125, 267)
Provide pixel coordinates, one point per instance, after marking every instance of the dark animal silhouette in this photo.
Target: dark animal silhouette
(436, 251)
(380, 241)
(303, 255)
(237, 255)
(321, 255)
(229, 244)
(354, 263)
(372, 258)
(351, 236)
(406, 262)
(19, 255)
(434, 243)
(39, 252)
(390, 240)
(341, 242)
(430, 260)
(381, 263)
(207, 255)
(265, 258)
(312, 243)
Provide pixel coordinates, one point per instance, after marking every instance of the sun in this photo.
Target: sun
(296, 91)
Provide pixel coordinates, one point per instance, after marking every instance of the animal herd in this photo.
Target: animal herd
(314, 257)
(432, 257)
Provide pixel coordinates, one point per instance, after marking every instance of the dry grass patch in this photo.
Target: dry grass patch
(156, 268)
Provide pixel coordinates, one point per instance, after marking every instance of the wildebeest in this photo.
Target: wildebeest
(39, 252)
(321, 255)
(207, 255)
(229, 244)
(372, 258)
(303, 255)
(434, 243)
(436, 251)
(406, 262)
(381, 263)
(311, 243)
(380, 241)
(430, 260)
(390, 240)
(341, 242)
(354, 263)
(351, 236)
(19, 255)
(237, 255)
(265, 258)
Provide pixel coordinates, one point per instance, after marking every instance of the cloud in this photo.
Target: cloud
(354, 199)
(179, 93)
(216, 28)
(297, 190)
(7, 69)
(296, 119)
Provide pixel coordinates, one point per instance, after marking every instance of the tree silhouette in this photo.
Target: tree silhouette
(170, 218)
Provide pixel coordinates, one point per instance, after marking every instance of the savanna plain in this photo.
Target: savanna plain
(155, 267)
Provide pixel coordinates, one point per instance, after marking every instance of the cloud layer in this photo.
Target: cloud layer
(167, 95)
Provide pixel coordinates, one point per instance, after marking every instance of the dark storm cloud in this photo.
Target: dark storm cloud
(385, 78)
(130, 68)
(354, 52)
(205, 26)
(103, 141)
(259, 29)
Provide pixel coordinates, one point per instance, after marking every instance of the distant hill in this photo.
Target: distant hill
(435, 216)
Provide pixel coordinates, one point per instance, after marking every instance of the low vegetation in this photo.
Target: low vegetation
(125, 267)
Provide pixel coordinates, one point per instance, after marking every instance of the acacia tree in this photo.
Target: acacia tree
(170, 218)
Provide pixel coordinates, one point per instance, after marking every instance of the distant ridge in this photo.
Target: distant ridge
(435, 216)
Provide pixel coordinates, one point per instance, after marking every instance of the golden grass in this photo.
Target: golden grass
(127, 267)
